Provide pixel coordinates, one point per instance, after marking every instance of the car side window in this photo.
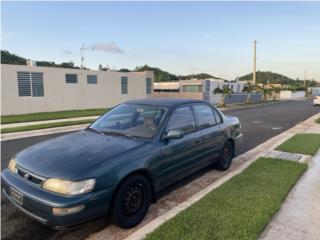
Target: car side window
(204, 115)
(218, 116)
(182, 119)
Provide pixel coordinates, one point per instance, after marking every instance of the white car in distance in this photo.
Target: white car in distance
(316, 99)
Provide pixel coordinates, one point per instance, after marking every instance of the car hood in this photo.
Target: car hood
(67, 156)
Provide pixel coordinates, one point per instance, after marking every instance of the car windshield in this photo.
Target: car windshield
(131, 120)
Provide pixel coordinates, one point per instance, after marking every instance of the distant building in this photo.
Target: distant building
(29, 89)
(196, 89)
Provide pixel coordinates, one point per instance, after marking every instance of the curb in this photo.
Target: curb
(245, 160)
(252, 155)
(235, 107)
(22, 124)
(40, 132)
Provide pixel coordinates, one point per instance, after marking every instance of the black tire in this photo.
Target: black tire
(224, 162)
(131, 202)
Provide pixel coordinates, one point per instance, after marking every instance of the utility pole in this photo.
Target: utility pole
(254, 75)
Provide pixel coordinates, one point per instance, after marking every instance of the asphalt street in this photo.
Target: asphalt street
(259, 123)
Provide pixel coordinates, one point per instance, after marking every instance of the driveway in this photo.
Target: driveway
(258, 123)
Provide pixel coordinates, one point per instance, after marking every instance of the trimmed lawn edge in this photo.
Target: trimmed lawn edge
(42, 116)
(45, 126)
(240, 208)
(303, 143)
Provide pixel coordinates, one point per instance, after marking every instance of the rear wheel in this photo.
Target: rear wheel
(131, 202)
(226, 157)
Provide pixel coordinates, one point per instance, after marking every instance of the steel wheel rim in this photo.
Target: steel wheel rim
(133, 200)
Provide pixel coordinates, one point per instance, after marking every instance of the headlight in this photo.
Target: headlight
(69, 187)
(12, 165)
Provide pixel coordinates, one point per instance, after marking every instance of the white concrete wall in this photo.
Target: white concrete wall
(59, 96)
(286, 94)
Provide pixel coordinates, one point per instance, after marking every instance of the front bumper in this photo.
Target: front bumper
(38, 203)
(238, 141)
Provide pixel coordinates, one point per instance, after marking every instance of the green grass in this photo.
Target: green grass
(318, 121)
(51, 115)
(240, 208)
(306, 143)
(46, 125)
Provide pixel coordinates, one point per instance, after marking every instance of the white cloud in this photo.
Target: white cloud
(110, 47)
(66, 51)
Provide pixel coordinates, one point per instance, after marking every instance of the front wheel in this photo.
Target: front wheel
(131, 202)
(226, 157)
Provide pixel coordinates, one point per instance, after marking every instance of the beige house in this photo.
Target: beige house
(182, 89)
(29, 89)
(196, 89)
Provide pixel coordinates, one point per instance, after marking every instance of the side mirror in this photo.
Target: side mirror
(174, 134)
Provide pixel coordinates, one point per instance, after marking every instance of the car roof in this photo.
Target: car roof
(165, 102)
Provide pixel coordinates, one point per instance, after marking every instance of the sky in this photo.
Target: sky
(179, 37)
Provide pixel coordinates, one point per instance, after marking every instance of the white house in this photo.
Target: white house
(29, 89)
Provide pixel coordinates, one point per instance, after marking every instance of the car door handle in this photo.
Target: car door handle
(197, 141)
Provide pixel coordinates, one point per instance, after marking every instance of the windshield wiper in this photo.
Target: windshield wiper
(118, 134)
(93, 130)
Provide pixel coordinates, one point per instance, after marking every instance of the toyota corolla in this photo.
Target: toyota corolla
(118, 164)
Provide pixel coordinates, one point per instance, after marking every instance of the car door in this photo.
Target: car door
(210, 131)
(177, 154)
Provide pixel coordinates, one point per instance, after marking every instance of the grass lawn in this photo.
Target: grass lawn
(306, 143)
(51, 115)
(318, 121)
(240, 208)
(42, 126)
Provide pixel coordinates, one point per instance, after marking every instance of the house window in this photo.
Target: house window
(37, 84)
(71, 78)
(30, 84)
(24, 84)
(92, 79)
(148, 85)
(124, 85)
(192, 88)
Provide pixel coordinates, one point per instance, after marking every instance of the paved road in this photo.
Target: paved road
(258, 123)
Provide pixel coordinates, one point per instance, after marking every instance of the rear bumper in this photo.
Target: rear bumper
(38, 203)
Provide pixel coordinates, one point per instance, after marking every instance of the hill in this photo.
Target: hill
(271, 77)
(164, 76)
(10, 58)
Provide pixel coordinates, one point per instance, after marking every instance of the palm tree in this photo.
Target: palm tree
(249, 89)
(264, 91)
(225, 91)
(274, 91)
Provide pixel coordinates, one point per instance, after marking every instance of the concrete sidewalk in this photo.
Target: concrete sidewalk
(299, 216)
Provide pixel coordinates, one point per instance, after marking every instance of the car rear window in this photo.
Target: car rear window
(182, 119)
(205, 115)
